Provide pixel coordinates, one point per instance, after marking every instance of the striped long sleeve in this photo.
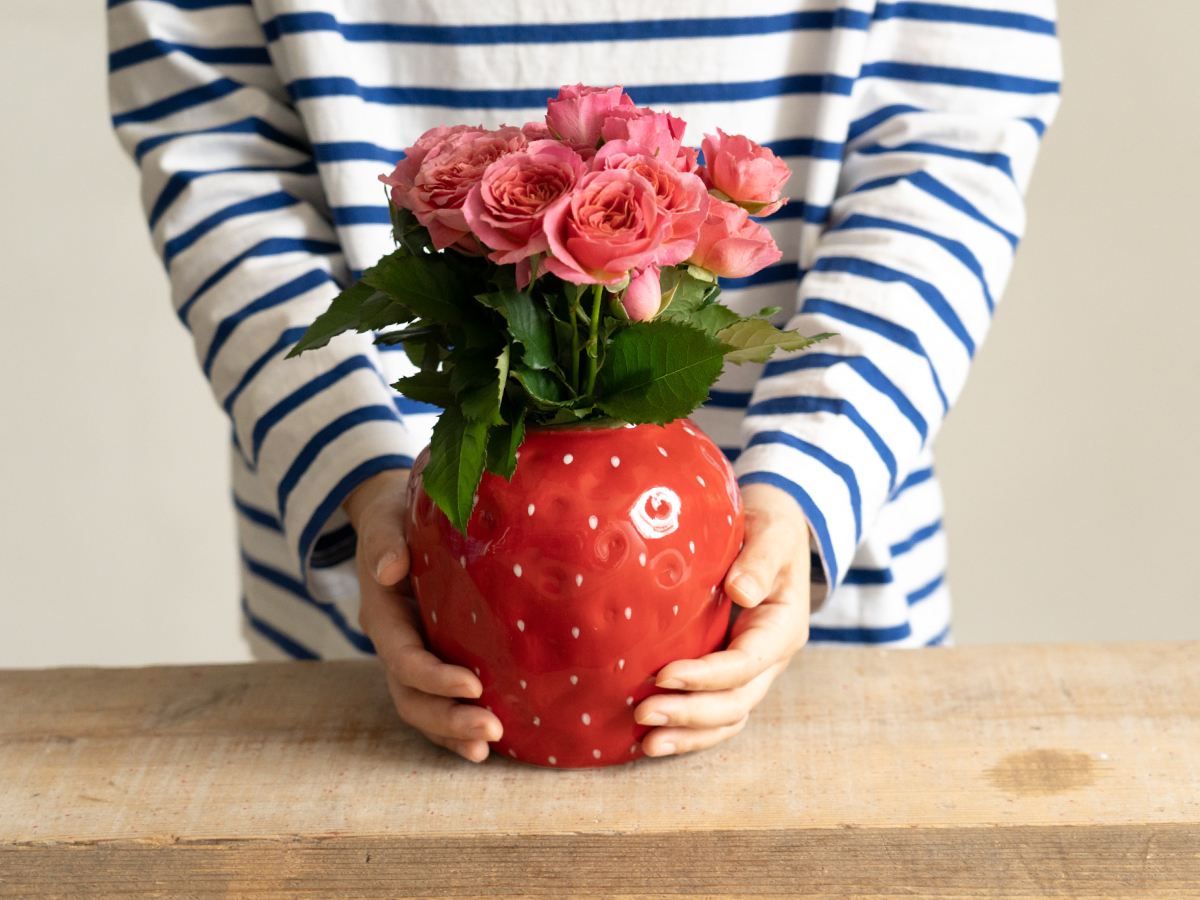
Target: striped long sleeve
(238, 214)
(947, 113)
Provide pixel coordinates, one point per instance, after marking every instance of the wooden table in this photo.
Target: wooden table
(1024, 771)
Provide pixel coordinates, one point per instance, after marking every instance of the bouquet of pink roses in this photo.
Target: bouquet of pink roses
(564, 272)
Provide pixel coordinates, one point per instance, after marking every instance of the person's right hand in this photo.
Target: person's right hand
(423, 687)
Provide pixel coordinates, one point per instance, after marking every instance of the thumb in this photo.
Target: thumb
(776, 535)
(381, 543)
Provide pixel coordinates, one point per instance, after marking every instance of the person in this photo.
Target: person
(911, 128)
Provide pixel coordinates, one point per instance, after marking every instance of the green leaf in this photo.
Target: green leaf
(457, 452)
(426, 285)
(658, 371)
(482, 404)
(528, 322)
(503, 443)
(767, 311)
(542, 386)
(427, 387)
(342, 316)
(754, 340)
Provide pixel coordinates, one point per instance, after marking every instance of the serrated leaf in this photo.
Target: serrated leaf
(426, 285)
(658, 371)
(342, 316)
(542, 386)
(427, 387)
(482, 404)
(458, 449)
(754, 340)
(694, 303)
(528, 322)
(503, 443)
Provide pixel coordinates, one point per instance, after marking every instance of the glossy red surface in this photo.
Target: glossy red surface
(601, 562)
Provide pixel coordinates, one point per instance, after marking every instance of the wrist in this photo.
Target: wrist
(391, 483)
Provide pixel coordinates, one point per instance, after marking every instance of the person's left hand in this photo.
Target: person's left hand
(770, 579)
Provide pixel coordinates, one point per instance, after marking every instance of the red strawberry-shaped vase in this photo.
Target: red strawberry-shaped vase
(599, 563)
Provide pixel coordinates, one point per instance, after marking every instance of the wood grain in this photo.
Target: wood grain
(988, 771)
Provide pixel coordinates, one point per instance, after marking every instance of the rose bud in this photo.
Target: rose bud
(732, 246)
(643, 297)
(747, 174)
(578, 113)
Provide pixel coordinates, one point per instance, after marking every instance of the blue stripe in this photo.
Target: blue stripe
(885, 328)
(269, 247)
(775, 274)
(859, 127)
(355, 151)
(938, 639)
(866, 370)
(287, 339)
(864, 268)
(992, 160)
(812, 213)
(361, 215)
(251, 125)
(407, 407)
(779, 406)
(815, 519)
(731, 453)
(341, 490)
(189, 4)
(179, 182)
(974, 78)
(295, 588)
(253, 206)
(291, 647)
(535, 98)
(810, 147)
(868, 576)
(728, 399)
(826, 459)
(155, 49)
(921, 534)
(922, 592)
(256, 515)
(1040, 127)
(860, 635)
(937, 12)
(303, 284)
(957, 249)
(192, 97)
(930, 185)
(305, 392)
(920, 476)
(562, 33)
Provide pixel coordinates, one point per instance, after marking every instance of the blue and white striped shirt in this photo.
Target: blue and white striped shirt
(911, 128)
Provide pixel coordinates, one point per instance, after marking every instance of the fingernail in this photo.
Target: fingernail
(384, 561)
(665, 749)
(747, 585)
(654, 718)
(671, 684)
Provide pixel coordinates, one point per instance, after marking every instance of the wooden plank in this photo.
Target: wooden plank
(985, 771)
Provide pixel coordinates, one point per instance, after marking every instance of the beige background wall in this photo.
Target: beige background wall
(1070, 465)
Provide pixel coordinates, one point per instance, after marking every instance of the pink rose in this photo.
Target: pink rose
(607, 226)
(643, 297)
(445, 174)
(578, 113)
(731, 245)
(680, 195)
(505, 209)
(660, 133)
(686, 161)
(751, 176)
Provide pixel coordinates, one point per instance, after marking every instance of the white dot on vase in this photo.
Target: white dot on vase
(701, 480)
(522, 684)
(676, 609)
(574, 632)
(729, 519)
(537, 721)
(578, 580)
(568, 459)
(692, 546)
(434, 615)
(574, 679)
(462, 561)
(587, 720)
(517, 570)
(593, 522)
(642, 558)
(620, 664)
(477, 670)
(629, 701)
(426, 559)
(689, 431)
(662, 451)
(596, 754)
(521, 624)
(633, 748)
(628, 612)
(530, 509)
(616, 461)
(512, 753)
(474, 500)
(473, 619)
(553, 761)
(488, 708)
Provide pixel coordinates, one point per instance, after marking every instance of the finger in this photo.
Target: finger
(472, 751)
(706, 709)
(382, 549)
(667, 741)
(776, 540)
(444, 716)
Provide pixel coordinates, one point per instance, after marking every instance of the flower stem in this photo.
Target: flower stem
(575, 348)
(593, 343)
